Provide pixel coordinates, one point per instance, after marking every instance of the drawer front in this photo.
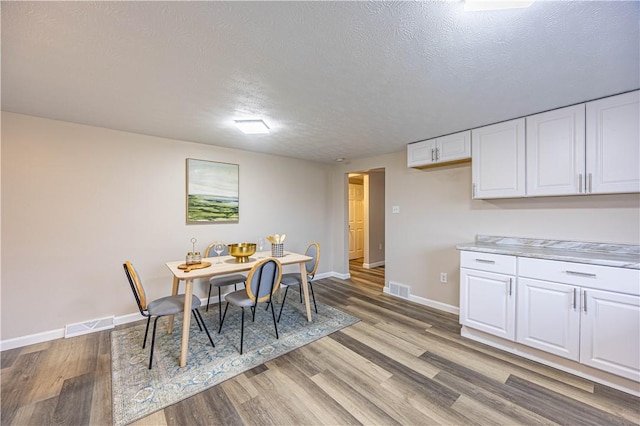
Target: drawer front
(498, 263)
(581, 274)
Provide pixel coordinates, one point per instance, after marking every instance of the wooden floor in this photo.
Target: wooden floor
(402, 364)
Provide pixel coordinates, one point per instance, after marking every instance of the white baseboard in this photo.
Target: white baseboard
(428, 302)
(46, 336)
(373, 265)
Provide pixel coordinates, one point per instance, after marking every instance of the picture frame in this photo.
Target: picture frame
(212, 192)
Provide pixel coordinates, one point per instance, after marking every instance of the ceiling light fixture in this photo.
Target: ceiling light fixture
(476, 5)
(252, 127)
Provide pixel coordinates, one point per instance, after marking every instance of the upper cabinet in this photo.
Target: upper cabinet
(555, 152)
(498, 160)
(591, 148)
(445, 149)
(613, 144)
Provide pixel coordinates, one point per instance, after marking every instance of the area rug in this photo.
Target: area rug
(138, 391)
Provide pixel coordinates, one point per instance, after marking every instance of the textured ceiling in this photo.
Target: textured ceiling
(332, 79)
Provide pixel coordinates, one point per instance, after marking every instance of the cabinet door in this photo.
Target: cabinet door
(548, 317)
(613, 144)
(498, 160)
(453, 147)
(487, 302)
(555, 152)
(421, 153)
(610, 332)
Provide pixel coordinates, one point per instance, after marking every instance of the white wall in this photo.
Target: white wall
(436, 213)
(78, 200)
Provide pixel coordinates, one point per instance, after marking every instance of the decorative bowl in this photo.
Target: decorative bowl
(242, 251)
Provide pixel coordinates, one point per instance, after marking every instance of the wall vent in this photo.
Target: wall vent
(78, 329)
(399, 290)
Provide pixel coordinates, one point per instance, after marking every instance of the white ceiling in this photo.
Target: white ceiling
(332, 79)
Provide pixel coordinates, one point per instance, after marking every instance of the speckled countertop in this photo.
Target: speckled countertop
(605, 254)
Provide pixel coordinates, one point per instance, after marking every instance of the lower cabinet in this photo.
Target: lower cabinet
(488, 301)
(610, 332)
(584, 313)
(549, 317)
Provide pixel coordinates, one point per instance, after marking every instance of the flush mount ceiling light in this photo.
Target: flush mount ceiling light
(475, 5)
(252, 127)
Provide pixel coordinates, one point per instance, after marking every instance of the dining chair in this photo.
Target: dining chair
(164, 306)
(295, 279)
(262, 281)
(222, 281)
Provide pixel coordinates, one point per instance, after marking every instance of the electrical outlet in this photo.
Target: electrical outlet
(380, 246)
(395, 209)
(443, 277)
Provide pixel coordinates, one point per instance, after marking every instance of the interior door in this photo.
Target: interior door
(356, 221)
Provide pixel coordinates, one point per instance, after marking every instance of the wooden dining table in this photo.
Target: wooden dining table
(224, 265)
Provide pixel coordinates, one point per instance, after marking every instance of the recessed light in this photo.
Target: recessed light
(252, 127)
(339, 160)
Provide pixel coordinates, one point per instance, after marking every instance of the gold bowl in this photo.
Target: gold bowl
(242, 251)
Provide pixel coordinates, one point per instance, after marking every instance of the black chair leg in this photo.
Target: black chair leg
(313, 296)
(153, 341)
(273, 315)
(197, 321)
(220, 307)
(197, 313)
(222, 319)
(241, 332)
(146, 332)
(283, 300)
(209, 297)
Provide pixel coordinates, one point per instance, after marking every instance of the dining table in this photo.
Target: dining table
(223, 265)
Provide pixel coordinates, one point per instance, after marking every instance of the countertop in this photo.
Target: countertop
(604, 254)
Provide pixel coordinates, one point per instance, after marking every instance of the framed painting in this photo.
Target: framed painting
(212, 192)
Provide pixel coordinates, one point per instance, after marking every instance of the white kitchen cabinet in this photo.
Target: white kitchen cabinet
(549, 317)
(610, 332)
(586, 313)
(445, 149)
(487, 298)
(613, 144)
(555, 152)
(498, 160)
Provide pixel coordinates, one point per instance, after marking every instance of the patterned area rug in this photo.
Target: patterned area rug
(138, 391)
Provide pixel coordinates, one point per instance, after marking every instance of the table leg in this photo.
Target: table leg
(186, 322)
(305, 289)
(174, 291)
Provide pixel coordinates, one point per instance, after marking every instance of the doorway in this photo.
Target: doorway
(366, 227)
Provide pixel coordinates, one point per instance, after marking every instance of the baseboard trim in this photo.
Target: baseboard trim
(46, 336)
(373, 265)
(428, 302)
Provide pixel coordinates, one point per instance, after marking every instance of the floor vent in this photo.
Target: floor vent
(78, 329)
(399, 290)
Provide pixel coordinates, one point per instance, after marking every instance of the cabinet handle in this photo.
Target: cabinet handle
(510, 286)
(437, 154)
(590, 182)
(584, 300)
(432, 152)
(574, 299)
(580, 183)
(581, 274)
(473, 190)
(486, 261)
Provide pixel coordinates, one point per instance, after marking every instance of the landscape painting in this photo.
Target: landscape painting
(212, 192)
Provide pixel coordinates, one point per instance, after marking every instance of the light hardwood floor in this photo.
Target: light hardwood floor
(403, 363)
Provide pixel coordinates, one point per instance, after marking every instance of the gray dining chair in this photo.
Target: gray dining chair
(294, 279)
(222, 281)
(164, 306)
(262, 281)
